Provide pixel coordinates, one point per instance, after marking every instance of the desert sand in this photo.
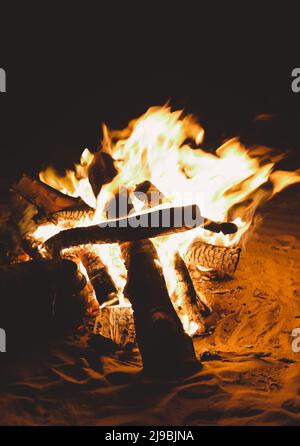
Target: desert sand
(250, 374)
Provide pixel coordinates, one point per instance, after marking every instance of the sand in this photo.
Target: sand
(250, 374)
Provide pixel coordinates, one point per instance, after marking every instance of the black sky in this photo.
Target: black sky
(70, 69)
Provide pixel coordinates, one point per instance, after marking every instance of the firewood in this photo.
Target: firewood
(116, 323)
(38, 298)
(67, 217)
(48, 200)
(225, 227)
(74, 254)
(155, 197)
(166, 350)
(127, 229)
(219, 258)
(185, 299)
(31, 247)
(15, 225)
(99, 276)
(57, 207)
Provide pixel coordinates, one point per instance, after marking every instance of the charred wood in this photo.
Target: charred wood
(218, 258)
(98, 274)
(165, 348)
(185, 299)
(188, 301)
(133, 228)
(74, 254)
(48, 200)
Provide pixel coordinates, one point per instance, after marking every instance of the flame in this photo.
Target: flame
(74, 182)
(155, 148)
(164, 147)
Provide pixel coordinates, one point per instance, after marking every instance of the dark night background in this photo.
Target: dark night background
(70, 70)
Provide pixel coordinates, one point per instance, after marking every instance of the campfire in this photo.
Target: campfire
(136, 219)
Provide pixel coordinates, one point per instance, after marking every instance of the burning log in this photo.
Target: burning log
(133, 228)
(116, 323)
(213, 226)
(98, 274)
(31, 247)
(187, 302)
(100, 286)
(51, 203)
(218, 258)
(165, 348)
(185, 299)
(74, 255)
(68, 217)
(154, 197)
